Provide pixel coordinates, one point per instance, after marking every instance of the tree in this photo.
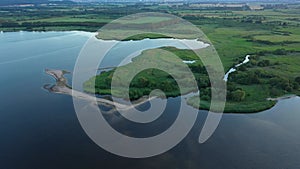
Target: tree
(238, 95)
(274, 92)
(280, 83)
(280, 52)
(295, 85)
(264, 63)
(297, 80)
(231, 86)
(143, 82)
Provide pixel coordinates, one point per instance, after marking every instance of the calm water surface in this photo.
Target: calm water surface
(40, 129)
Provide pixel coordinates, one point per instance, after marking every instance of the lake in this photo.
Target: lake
(39, 129)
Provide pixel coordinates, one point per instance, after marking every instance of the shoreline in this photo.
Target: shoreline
(95, 35)
(273, 103)
(234, 111)
(62, 87)
(282, 97)
(3, 31)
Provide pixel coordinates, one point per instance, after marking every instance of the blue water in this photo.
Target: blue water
(39, 129)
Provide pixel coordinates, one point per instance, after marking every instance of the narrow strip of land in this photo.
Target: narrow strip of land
(62, 87)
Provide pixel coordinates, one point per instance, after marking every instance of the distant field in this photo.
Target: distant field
(82, 18)
(144, 20)
(278, 38)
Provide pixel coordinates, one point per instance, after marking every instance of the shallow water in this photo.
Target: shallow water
(40, 129)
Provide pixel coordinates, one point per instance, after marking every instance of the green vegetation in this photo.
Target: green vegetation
(146, 81)
(143, 36)
(271, 36)
(236, 107)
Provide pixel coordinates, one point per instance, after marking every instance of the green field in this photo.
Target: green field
(271, 36)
